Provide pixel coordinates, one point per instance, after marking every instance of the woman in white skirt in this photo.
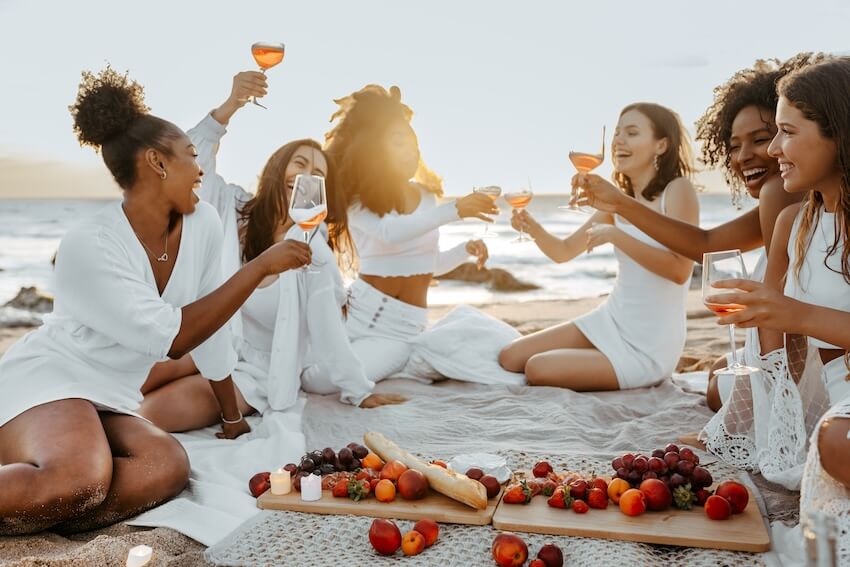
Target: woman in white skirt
(136, 283)
(635, 338)
(395, 217)
(292, 327)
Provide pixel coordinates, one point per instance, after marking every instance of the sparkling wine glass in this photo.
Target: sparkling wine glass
(308, 206)
(584, 163)
(267, 55)
(519, 200)
(717, 266)
(492, 191)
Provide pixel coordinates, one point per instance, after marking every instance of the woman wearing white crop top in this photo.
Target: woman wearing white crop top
(811, 253)
(136, 283)
(394, 225)
(291, 328)
(636, 337)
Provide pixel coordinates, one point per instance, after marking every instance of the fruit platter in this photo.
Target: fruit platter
(380, 480)
(662, 498)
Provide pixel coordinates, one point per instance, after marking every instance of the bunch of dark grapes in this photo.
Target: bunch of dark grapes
(677, 468)
(327, 461)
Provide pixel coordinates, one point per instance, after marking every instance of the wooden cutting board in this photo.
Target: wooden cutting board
(690, 528)
(434, 506)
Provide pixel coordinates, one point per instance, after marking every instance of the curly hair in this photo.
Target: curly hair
(110, 115)
(675, 162)
(753, 86)
(365, 174)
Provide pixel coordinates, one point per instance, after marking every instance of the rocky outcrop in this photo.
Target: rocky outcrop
(31, 299)
(496, 279)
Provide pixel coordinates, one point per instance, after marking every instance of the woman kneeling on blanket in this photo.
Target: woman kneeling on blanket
(636, 337)
(136, 283)
(810, 252)
(292, 326)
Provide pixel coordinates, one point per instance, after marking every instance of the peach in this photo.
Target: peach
(392, 470)
(633, 502)
(736, 493)
(429, 529)
(385, 491)
(412, 543)
(717, 507)
(259, 483)
(384, 536)
(412, 485)
(537, 563)
(616, 488)
(509, 550)
(658, 496)
(372, 461)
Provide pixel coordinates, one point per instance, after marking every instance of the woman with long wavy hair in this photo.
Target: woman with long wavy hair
(291, 329)
(394, 215)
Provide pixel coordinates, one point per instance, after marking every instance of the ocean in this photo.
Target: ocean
(30, 231)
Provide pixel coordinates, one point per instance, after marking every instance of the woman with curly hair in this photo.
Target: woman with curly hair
(291, 328)
(735, 133)
(395, 217)
(617, 346)
(138, 282)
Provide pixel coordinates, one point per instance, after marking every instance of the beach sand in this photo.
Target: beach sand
(706, 341)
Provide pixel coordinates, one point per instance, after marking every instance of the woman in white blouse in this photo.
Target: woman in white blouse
(138, 282)
(394, 217)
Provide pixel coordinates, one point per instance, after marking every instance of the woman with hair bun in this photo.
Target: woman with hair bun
(138, 282)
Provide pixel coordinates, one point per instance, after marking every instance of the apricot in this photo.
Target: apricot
(412, 543)
(372, 461)
(385, 491)
(616, 488)
(633, 502)
(412, 485)
(392, 470)
(429, 529)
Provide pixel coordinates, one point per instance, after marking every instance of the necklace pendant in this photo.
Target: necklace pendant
(163, 258)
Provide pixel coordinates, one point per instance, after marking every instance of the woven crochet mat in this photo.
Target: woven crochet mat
(291, 538)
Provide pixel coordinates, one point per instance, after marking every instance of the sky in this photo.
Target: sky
(501, 91)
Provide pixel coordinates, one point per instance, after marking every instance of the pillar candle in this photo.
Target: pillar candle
(281, 482)
(311, 488)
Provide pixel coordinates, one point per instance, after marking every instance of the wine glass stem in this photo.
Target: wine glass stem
(521, 232)
(735, 362)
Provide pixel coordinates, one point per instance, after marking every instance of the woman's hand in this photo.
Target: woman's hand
(245, 85)
(764, 307)
(597, 193)
(478, 249)
(378, 400)
(233, 430)
(524, 221)
(285, 255)
(599, 234)
(476, 205)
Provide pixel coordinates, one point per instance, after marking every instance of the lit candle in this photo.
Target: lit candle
(139, 556)
(311, 488)
(281, 482)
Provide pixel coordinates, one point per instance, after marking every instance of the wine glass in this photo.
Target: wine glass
(519, 200)
(267, 55)
(584, 163)
(725, 265)
(308, 205)
(492, 191)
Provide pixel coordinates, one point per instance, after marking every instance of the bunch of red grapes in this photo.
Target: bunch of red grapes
(673, 466)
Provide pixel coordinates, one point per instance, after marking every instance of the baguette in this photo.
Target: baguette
(454, 485)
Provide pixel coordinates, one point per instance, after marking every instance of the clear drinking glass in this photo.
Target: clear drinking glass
(519, 200)
(308, 205)
(584, 163)
(492, 191)
(267, 55)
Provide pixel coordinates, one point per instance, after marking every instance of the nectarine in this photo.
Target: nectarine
(412, 485)
(429, 529)
(509, 550)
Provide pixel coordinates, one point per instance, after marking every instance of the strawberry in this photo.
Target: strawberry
(578, 488)
(541, 469)
(340, 489)
(549, 488)
(518, 494)
(683, 498)
(580, 507)
(600, 484)
(560, 499)
(373, 483)
(536, 486)
(597, 498)
(358, 489)
(363, 474)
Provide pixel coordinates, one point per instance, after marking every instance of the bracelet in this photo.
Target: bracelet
(227, 421)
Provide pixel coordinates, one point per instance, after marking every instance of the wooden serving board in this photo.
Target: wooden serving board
(434, 506)
(690, 528)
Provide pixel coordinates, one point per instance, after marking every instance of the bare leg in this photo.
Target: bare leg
(186, 404)
(712, 394)
(566, 335)
(149, 467)
(57, 464)
(168, 371)
(832, 446)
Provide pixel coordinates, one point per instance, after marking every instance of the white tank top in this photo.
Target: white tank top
(820, 281)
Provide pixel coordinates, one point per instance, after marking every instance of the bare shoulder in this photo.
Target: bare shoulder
(774, 196)
(681, 187)
(681, 200)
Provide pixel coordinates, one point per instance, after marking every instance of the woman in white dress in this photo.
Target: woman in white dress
(395, 218)
(635, 338)
(807, 284)
(138, 282)
(735, 132)
(290, 326)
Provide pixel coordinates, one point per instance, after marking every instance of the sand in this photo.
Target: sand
(706, 341)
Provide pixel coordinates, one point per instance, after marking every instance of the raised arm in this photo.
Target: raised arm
(557, 249)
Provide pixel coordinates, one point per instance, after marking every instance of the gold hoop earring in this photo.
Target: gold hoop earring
(163, 175)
